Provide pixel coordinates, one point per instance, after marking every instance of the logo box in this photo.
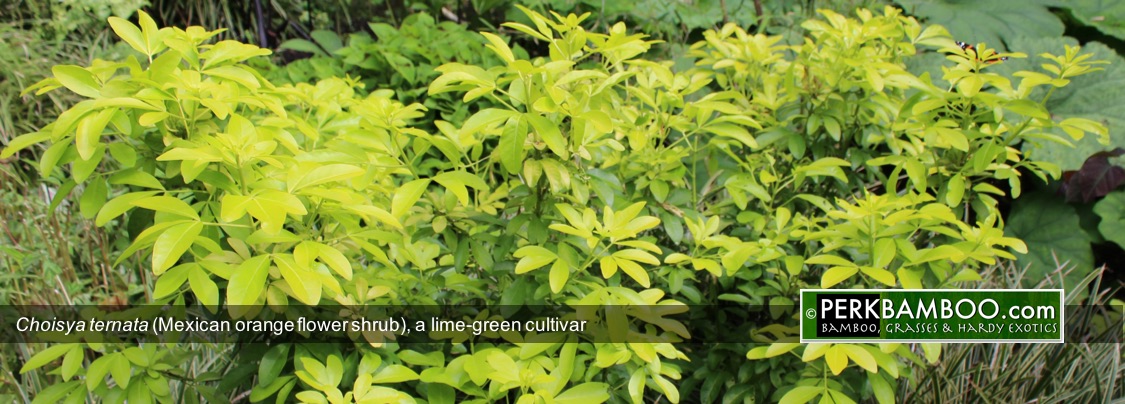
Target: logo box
(932, 315)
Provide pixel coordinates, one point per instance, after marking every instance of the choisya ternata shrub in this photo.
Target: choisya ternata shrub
(590, 176)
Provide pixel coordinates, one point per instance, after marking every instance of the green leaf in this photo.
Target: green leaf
(1108, 16)
(118, 206)
(550, 134)
(248, 281)
(932, 351)
(120, 369)
(71, 362)
(56, 393)
(170, 281)
(23, 141)
(153, 36)
(505, 370)
(77, 79)
(46, 356)
(273, 362)
(780, 348)
(637, 385)
(511, 146)
(485, 119)
(590, 392)
(302, 45)
(270, 207)
(93, 198)
(95, 373)
(884, 394)
(801, 394)
(989, 21)
(1098, 96)
(826, 259)
(415, 358)
(173, 243)
(394, 374)
(136, 177)
(884, 252)
(1051, 229)
(1112, 211)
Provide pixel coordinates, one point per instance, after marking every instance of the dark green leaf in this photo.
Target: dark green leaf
(1051, 230)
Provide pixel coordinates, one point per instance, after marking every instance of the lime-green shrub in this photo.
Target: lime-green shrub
(588, 176)
(402, 58)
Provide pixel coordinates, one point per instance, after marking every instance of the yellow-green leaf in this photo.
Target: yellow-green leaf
(884, 252)
(560, 272)
(955, 190)
(46, 356)
(406, 196)
(204, 288)
(734, 132)
(533, 257)
(335, 260)
(304, 284)
(550, 134)
(801, 394)
(932, 351)
(878, 274)
(129, 33)
(167, 204)
(609, 266)
(815, 350)
(779, 348)
(500, 46)
(669, 389)
(637, 255)
(861, 357)
(248, 281)
(584, 393)
(89, 133)
(836, 275)
(836, 358)
(236, 74)
(77, 79)
(634, 270)
(884, 394)
(173, 243)
(456, 181)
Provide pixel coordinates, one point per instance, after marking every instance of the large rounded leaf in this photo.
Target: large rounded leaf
(992, 22)
(1051, 230)
(1098, 96)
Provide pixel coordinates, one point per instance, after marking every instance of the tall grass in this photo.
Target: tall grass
(1032, 373)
